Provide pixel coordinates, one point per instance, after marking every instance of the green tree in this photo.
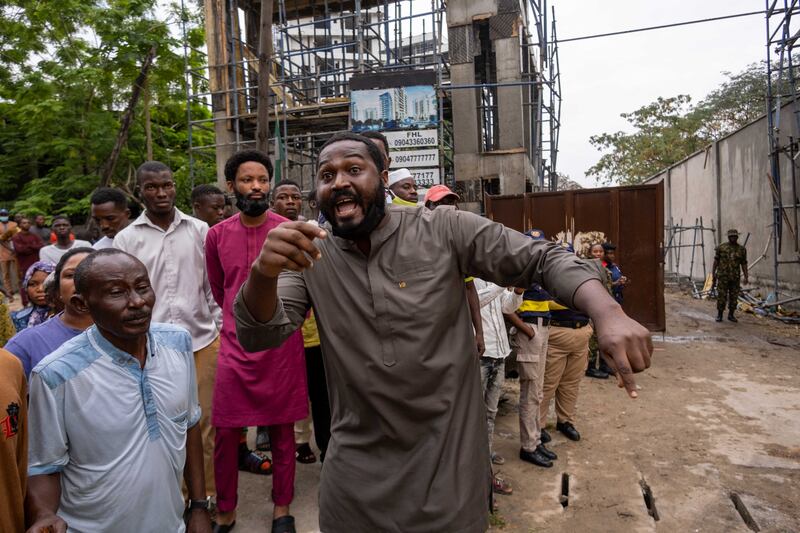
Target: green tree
(68, 67)
(664, 132)
(670, 129)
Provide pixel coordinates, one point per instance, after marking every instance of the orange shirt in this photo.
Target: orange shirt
(13, 442)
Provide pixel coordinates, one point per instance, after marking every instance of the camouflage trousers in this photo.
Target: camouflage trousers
(727, 292)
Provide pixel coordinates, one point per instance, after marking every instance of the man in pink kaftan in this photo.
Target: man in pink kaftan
(266, 388)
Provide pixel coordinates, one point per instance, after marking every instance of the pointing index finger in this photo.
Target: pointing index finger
(623, 373)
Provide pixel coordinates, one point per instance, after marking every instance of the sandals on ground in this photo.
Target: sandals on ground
(304, 455)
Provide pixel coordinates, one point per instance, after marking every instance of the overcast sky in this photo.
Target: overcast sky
(604, 77)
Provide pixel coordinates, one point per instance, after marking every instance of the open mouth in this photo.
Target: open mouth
(346, 207)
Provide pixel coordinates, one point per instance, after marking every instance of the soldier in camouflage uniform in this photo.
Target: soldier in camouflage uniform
(729, 258)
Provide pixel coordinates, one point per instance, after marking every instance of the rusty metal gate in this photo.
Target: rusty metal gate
(631, 217)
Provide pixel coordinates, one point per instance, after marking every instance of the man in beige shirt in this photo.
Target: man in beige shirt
(408, 449)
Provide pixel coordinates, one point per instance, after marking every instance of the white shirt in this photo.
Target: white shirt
(52, 253)
(495, 301)
(115, 432)
(175, 260)
(105, 242)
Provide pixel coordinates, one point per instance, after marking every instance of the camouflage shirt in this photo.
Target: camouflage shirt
(730, 258)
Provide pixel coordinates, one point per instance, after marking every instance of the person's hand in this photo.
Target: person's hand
(50, 523)
(623, 280)
(517, 290)
(625, 345)
(528, 331)
(481, 345)
(746, 280)
(289, 247)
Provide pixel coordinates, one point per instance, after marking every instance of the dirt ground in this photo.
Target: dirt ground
(717, 420)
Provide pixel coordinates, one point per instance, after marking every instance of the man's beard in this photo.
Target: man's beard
(250, 207)
(373, 213)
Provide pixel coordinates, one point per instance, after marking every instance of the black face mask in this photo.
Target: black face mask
(373, 214)
(251, 208)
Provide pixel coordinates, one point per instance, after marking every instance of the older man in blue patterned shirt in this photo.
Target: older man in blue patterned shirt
(114, 414)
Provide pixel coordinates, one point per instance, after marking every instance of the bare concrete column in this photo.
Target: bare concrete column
(465, 111)
(510, 110)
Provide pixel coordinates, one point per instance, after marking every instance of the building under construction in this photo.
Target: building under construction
(495, 100)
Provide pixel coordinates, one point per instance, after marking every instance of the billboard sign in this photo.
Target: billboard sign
(400, 140)
(415, 158)
(394, 108)
(426, 177)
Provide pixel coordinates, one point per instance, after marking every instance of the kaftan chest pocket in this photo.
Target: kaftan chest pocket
(407, 270)
(410, 282)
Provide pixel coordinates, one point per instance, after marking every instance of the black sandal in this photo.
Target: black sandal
(304, 455)
(223, 528)
(284, 524)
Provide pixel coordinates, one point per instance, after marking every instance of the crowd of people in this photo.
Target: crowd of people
(364, 313)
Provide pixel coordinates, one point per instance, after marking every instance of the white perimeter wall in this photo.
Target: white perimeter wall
(727, 185)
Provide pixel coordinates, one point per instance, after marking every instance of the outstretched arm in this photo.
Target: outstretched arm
(507, 257)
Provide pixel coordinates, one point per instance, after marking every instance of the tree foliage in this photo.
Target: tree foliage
(670, 129)
(66, 74)
(664, 133)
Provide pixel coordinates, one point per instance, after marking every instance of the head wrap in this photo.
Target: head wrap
(39, 313)
(38, 266)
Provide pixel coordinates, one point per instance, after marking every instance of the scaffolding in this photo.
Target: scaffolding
(549, 108)
(318, 46)
(783, 31)
(676, 245)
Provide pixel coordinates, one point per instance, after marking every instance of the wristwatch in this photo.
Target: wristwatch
(200, 504)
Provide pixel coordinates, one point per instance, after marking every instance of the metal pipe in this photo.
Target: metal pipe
(187, 81)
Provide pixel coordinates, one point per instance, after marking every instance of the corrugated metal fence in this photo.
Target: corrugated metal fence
(630, 217)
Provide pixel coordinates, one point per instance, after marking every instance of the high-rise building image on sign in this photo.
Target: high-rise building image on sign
(387, 109)
(399, 103)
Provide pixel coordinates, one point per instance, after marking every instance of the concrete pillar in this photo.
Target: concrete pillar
(465, 111)
(464, 11)
(510, 109)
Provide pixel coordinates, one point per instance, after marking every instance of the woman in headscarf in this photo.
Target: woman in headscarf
(33, 285)
(34, 344)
